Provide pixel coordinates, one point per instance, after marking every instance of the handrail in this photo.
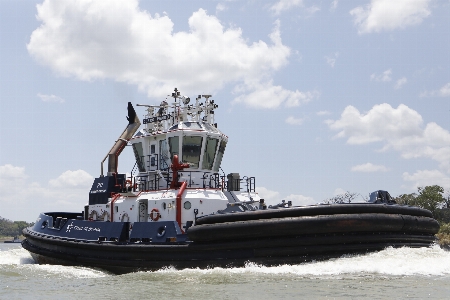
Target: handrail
(204, 180)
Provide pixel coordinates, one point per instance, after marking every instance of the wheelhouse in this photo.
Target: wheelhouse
(195, 140)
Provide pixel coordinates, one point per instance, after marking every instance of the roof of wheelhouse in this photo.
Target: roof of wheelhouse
(183, 126)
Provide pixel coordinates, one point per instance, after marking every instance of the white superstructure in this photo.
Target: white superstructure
(177, 175)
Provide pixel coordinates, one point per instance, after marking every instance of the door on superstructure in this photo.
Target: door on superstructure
(143, 210)
(153, 157)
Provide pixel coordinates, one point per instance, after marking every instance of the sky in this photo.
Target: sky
(317, 97)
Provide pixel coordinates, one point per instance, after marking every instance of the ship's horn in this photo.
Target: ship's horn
(127, 134)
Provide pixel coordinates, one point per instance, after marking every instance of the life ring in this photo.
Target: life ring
(91, 215)
(125, 215)
(155, 215)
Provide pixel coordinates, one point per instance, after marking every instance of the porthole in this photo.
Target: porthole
(44, 224)
(161, 231)
(187, 205)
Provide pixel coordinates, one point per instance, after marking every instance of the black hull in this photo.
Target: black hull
(123, 258)
(267, 241)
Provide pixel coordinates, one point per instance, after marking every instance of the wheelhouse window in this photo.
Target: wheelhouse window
(192, 147)
(164, 155)
(152, 155)
(139, 156)
(220, 153)
(210, 128)
(174, 146)
(210, 152)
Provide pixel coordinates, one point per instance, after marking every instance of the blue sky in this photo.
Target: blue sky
(317, 97)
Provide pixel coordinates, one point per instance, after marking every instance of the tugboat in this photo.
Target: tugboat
(13, 240)
(178, 208)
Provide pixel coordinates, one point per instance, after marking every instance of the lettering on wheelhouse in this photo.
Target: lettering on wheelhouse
(97, 191)
(156, 119)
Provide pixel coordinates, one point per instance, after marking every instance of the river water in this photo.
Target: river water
(391, 273)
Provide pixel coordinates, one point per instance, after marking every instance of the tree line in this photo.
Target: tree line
(12, 228)
(433, 197)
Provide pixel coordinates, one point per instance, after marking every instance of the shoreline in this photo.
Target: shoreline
(10, 238)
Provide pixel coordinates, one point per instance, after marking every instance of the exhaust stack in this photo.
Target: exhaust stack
(127, 134)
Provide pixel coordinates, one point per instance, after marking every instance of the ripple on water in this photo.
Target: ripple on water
(404, 272)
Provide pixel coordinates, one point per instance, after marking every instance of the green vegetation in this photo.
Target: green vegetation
(444, 234)
(10, 228)
(433, 199)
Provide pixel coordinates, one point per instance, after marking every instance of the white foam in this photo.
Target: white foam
(431, 261)
(395, 262)
(21, 259)
(70, 272)
(17, 256)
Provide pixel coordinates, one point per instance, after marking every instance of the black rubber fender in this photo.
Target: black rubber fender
(315, 210)
(306, 225)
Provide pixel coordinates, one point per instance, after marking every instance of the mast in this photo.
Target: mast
(127, 134)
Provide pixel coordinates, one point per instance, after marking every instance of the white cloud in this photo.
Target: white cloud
(266, 95)
(117, 40)
(220, 7)
(298, 200)
(299, 56)
(294, 121)
(312, 10)
(331, 60)
(11, 173)
(423, 178)
(283, 5)
(51, 98)
(369, 168)
(382, 15)
(384, 77)
(323, 113)
(442, 92)
(272, 197)
(398, 128)
(334, 5)
(400, 83)
(26, 199)
(73, 179)
(445, 90)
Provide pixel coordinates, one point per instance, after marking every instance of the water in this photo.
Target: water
(391, 273)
